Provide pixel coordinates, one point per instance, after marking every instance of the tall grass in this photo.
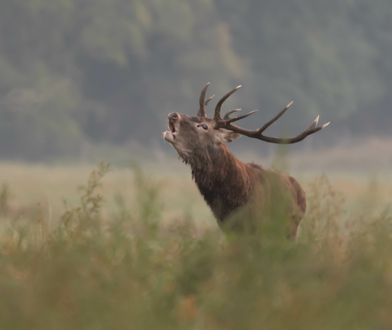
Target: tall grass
(125, 269)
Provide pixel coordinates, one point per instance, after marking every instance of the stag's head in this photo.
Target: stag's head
(196, 135)
(199, 135)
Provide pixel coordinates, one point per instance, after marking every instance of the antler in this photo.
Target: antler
(203, 102)
(218, 106)
(227, 121)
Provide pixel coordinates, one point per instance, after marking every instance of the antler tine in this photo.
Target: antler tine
(227, 115)
(314, 123)
(218, 107)
(203, 102)
(232, 120)
(280, 114)
(209, 99)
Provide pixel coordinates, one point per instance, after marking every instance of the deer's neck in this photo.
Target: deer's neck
(224, 181)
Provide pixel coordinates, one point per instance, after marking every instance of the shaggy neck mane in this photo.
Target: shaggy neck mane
(224, 181)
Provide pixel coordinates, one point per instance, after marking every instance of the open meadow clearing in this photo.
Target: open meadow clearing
(132, 249)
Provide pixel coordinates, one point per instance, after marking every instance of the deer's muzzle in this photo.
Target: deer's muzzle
(170, 134)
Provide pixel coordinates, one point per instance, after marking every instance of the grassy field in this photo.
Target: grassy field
(138, 249)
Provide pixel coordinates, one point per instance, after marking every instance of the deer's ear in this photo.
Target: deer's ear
(228, 136)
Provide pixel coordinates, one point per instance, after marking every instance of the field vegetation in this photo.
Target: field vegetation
(133, 249)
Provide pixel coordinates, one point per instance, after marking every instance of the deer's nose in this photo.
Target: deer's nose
(173, 116)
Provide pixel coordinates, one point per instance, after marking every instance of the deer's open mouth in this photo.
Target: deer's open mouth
(170, 134)
(172, 127)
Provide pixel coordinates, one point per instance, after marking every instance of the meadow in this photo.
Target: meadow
(84, 247)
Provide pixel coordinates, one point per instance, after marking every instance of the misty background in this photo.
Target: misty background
(85, 77)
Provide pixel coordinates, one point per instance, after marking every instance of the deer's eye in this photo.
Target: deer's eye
(203, 126)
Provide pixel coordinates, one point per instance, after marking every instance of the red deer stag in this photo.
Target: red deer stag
(240, 195)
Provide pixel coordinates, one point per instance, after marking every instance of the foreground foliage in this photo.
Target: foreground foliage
(128, 271)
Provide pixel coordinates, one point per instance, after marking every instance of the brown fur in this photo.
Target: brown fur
(229, 185)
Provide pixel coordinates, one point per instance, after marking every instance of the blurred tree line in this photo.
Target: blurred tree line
(75, 73)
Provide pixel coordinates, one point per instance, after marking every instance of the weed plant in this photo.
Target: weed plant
(128, 270)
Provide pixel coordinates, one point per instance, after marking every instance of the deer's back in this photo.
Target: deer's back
(273, 196)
